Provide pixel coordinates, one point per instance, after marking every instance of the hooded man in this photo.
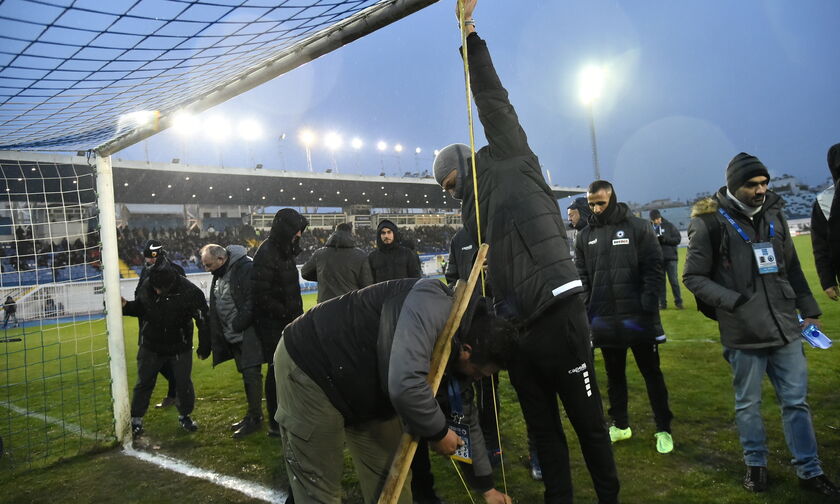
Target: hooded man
(166, 337)
(578, 213)
(232, 332)
(620, 263)
(741, 263)
(154, 257)
(276, 290)
(533, 278)
(352, 368)
(391, 260)
(669, 237)
(825, 229)
(339, 267)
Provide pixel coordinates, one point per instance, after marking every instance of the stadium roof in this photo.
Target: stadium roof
(97, 75)
(164, 183)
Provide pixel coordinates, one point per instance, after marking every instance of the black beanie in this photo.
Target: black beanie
(742, 168)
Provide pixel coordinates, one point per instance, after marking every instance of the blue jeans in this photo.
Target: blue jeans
(788, 372)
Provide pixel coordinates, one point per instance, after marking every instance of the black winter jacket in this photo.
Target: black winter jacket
(462, 254)
(530, 264)
(669, 239)
(276, 282)
(339, 267)
(825, 226)
(167, 320)
(392, 261)
(620, 264)
(753, 310)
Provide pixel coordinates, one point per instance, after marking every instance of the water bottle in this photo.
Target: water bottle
(814, 336)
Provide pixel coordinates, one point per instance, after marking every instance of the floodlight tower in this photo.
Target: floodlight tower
(185, 125)
(250, 131)
(381, 147)
(307, 138)
(333, 142)
(357, 145)
(591, 84)
(398, 149)
(217, 129)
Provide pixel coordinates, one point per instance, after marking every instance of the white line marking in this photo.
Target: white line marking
(248, 488)
(699, 340)
(56, 421)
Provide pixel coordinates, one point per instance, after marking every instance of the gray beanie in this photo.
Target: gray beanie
(742, 168)
(453, 157)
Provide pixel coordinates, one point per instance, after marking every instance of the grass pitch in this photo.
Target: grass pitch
(705, 467)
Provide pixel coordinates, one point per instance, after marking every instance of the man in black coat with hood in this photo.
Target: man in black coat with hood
(154, 257)
(391, 260)
(339, 266)
(534, 281)
(620, 263)
(277, 300)
(825, 229)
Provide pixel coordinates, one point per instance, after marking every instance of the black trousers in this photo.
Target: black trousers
(252, 380)
(555, 360)
(148, 365)
(647, 360)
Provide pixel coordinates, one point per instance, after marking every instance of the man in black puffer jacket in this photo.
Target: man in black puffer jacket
(825, 230)
(669, 237)
(391, 260)
(339, 267)
(620, 263)
(277, 298)
(534, 281)
(166, 337)
(232, 332)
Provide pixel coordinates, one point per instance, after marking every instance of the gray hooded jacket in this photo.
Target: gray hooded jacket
(339, 267)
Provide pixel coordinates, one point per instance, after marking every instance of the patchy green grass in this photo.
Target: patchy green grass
(705, 467)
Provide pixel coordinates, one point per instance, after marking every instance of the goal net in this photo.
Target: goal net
(55, 397)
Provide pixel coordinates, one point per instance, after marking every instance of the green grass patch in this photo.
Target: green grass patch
(705, 467)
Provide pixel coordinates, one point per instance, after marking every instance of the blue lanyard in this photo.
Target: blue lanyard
(454, 389)
(741, 231)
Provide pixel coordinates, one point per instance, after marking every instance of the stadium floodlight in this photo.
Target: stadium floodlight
(381, 146)
(250, 130)
(138, 119)
(436, 152)
(398, 148)
(185, 124)
(217, 128)
(357, 143)
(418, 150)
(333, 141)
(307, 137)
(591, 82)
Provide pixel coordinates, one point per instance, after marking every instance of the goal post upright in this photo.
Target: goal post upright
(113, 304)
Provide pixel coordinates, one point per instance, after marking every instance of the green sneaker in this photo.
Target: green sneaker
(664, 442)
(617, 434)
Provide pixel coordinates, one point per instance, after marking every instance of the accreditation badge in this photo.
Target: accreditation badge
(765, 258)
(464, 453)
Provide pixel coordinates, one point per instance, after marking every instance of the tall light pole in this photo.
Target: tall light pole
(333, 142)
(591, 85)
(307, 138)
(250, 131)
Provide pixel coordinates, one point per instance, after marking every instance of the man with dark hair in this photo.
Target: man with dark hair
(669, 237)
(277, 301)
(620, 263)
(339, 266)
(231, 323)
(154, 257)
(825, 229)
(168, 311)
(578, 213)
(10, 307)
(534, 281)
(742, 265)
(391, 260)
(351, 368)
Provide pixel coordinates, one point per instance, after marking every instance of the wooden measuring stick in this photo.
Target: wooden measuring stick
(440, 356)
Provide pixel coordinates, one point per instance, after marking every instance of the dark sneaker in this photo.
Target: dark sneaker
(166, 402)
(273, 429)
(680, 306)
(188, 424)
(238, 425)
(248, 428)
(756, 479)
(821, 485)
(536, 469)
(136, 430)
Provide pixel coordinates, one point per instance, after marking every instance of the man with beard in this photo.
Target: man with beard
(825, 229)
(391, 260)
(232, 332)
(741, 264)
(276, 293)
(620, 263)
(534, 281)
